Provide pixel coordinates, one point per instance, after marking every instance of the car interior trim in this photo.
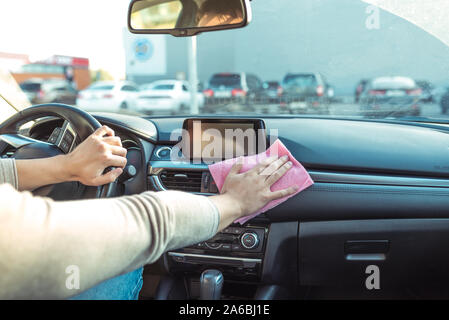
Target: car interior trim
(155, 167)
(246, 262)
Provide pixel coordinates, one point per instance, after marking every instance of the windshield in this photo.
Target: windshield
(370, 59)
(101, 87)
(162, 87)
(225, 81)
(300, 80)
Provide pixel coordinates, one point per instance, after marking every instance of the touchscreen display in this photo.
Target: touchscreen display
(218, 140)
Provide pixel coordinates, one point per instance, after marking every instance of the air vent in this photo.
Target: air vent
(189, 181)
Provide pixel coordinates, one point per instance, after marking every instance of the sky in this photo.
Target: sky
(83, 28)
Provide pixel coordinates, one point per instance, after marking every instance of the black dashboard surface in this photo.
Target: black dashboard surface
(353, 146)
(361, 169)
(399, 155)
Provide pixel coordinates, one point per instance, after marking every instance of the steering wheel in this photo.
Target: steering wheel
(78, 125)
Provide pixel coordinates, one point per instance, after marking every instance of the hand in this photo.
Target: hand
(88, 161)
(245, 193)
(251, 190)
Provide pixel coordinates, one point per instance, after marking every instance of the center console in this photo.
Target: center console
(237, 252)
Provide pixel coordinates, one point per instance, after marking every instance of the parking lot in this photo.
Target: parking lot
(429, 110)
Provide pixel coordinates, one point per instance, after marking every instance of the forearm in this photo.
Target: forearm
(40, 238)
(228, 208)
(36, 173)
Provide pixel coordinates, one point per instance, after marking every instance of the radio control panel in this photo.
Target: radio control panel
(235, 239)
(237, 251)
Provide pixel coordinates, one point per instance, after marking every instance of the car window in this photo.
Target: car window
(271, 85)
(102, 87)
(225, 80)
(292, 52)
(300, 80)
(31, 87)
(129, 88)
(61, 89)
(163, 87)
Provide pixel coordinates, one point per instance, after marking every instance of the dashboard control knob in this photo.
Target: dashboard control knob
(249, 240)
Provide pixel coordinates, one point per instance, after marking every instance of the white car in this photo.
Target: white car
(108, 96)
(167, 96)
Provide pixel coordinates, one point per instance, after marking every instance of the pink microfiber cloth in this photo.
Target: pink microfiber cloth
(296, 176)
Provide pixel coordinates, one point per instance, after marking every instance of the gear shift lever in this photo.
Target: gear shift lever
(211, 282)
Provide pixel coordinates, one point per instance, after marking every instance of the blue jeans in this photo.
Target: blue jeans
(124, 287)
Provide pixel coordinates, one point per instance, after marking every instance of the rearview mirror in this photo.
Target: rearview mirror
(183, 18)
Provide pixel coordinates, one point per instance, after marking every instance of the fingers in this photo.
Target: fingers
(113, 143)
(274, 166)
(282, 193)
(263, 164)
(113, 140)
(118, 151)
(108, 177)
(276, 175)
(104, 131)
(115, 161)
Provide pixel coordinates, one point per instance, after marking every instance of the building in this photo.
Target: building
(74, 69)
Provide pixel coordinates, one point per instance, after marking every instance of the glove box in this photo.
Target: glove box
(397, 253)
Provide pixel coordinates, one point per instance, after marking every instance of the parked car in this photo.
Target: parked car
(108, 96)
(145, 86)
(305, 92)
(168, 96)
(427, 88)
(361, 85)
(391, 96)
(273, 90)
(242, 88)
(40, 91)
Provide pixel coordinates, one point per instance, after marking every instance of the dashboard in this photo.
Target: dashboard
(381, 195)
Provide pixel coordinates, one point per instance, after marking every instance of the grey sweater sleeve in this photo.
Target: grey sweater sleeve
(42, 241)
(8, 172)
